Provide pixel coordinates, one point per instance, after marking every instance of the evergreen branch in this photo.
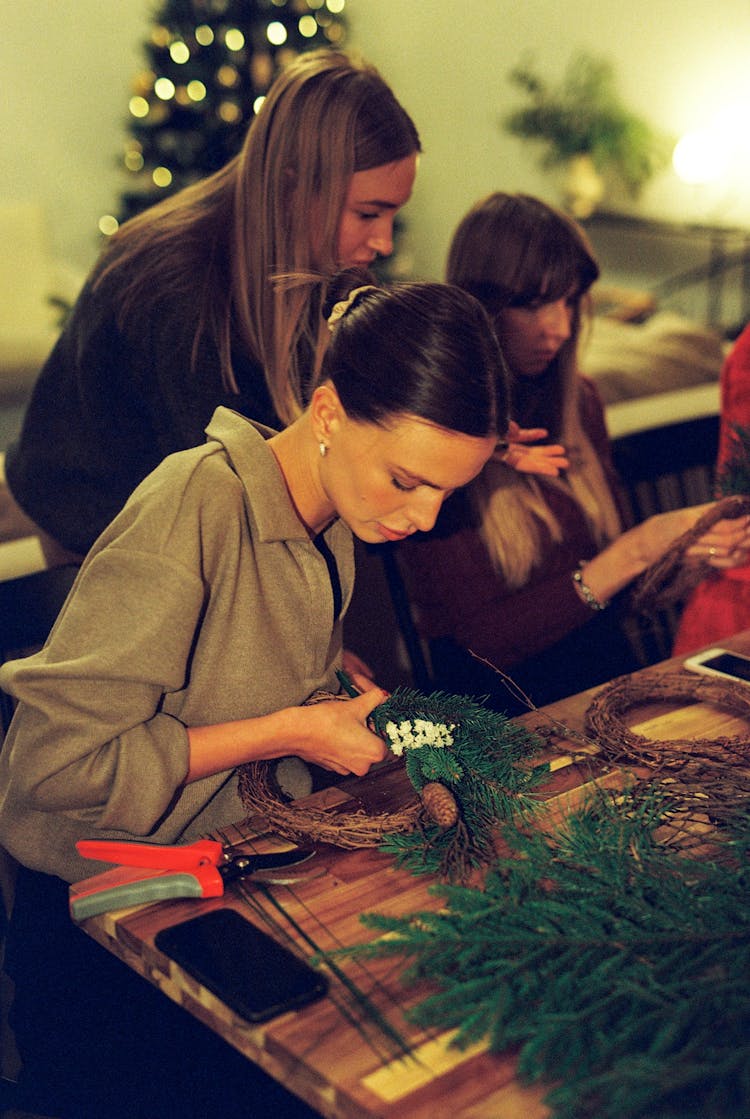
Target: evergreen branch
(614, 964)
(478, 755)
(733, 477)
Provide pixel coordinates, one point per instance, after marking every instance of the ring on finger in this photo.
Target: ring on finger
(712, 551)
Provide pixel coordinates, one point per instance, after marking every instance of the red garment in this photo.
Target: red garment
(457, 592)
(720, 606)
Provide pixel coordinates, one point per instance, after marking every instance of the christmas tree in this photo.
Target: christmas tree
(209, 64)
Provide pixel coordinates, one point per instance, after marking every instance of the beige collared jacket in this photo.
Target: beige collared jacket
(204, 601)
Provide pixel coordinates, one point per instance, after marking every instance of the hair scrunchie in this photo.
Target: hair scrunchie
(340, 308)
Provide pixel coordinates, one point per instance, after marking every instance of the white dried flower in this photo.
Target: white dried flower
(410, 735)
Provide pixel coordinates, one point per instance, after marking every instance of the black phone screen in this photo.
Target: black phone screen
(242, 965)
(731, 664)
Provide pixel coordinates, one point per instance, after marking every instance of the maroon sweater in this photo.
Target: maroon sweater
(459, 594)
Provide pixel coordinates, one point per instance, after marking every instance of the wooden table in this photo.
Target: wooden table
(315, 1052)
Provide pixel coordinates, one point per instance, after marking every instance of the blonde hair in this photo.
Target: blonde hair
(510, 251)
(326, 116)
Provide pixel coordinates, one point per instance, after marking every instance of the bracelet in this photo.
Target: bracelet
(585, 593)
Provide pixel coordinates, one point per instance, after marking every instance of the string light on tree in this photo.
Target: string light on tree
(208, 66)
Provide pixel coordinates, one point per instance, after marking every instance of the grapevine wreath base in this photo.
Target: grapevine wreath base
(604, 718)
(260, 794)
(670, 579)
(707, 774)
(302, 824)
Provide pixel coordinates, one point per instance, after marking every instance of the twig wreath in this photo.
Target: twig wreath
(670, 579)
(260, 794)
(708, 775)
(465, 765)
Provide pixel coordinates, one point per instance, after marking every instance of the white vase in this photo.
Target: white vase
(583, 186)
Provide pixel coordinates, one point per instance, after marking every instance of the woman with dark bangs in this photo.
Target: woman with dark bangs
(520, 568)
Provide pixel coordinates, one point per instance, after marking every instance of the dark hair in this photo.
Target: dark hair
(423, 349)
(511, 250)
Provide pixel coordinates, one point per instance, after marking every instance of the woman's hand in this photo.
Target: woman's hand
(336, 735)
(725, 545)
(547, 459)
(333, 734)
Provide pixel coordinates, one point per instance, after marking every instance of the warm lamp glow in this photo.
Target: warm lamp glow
(700, 157)
(719, 150)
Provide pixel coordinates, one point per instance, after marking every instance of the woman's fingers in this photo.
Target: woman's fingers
(548, 459)
(726, 544)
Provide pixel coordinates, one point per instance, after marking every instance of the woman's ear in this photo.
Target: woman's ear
(326, 412)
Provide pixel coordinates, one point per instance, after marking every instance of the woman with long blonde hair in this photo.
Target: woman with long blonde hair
(521, 567)
(181, 313)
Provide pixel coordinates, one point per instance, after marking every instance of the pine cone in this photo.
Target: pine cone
(440, 804)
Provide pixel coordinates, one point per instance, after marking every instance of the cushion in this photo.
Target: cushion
(667, 352)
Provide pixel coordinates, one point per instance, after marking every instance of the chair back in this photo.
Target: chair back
(667, 467)
(664, 468)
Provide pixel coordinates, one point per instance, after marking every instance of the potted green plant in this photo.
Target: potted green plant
(584, 125)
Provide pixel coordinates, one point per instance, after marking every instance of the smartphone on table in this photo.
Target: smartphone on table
(722, 663)
(255, 975)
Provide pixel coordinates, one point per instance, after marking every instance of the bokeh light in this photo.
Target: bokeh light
(196, 90)
(164, 89)
(204, 35)
(108, 224)
(133, 160)
(276, 33)
(179, 52)
(234, 39)
(162, 176)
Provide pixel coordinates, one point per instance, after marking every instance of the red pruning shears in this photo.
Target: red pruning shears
(151, 872)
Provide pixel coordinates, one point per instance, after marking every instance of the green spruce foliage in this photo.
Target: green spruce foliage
(616, 964)
(479, 755)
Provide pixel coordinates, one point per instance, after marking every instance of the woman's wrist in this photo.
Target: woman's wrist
(614, 568)
(222, 746)
(584, 591)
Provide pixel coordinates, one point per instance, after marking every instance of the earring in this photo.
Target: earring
(323, 449)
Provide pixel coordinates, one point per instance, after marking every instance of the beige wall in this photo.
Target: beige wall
(67, 67)
(678, 61)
